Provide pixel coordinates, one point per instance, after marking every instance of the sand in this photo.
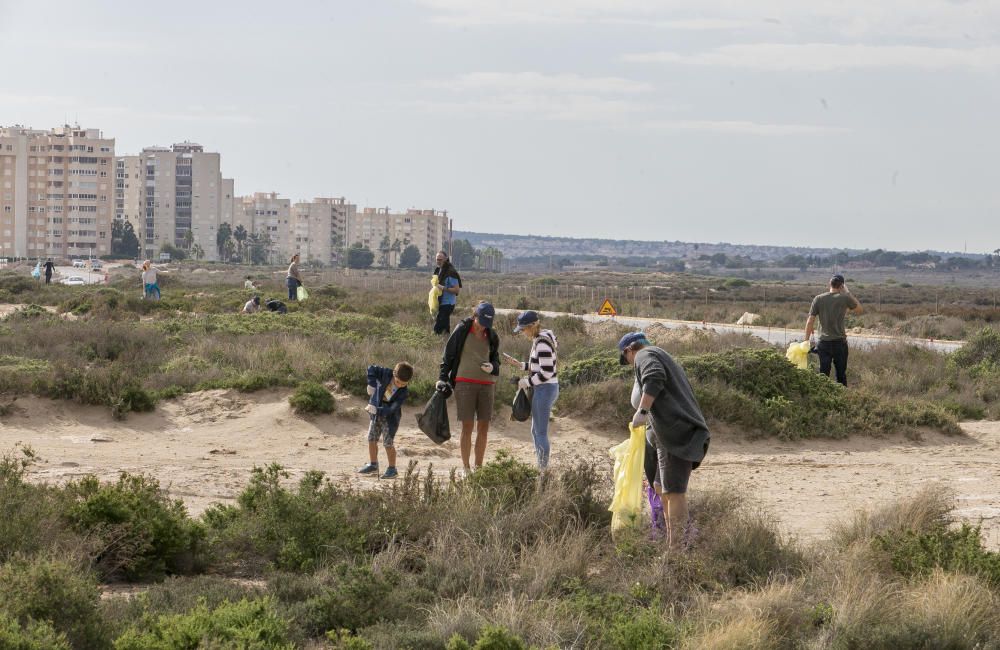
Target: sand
(201, 447)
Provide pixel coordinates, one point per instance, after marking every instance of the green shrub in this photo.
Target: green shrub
(597, 368)
(175, 595)
(291, 530)
(346, 598)
(33, 635)
(647, 630)
(918, 553)
(30, 514)
(144, 533)
(252, 624)
(311, 397)
(505, 481)
(980, 353)
(54, 591)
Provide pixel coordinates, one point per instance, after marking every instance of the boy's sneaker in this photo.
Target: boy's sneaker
(390, 472)
(370, 468)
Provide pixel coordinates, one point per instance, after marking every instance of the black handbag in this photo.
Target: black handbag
(521, 409)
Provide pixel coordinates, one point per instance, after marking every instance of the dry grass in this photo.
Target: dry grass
(928, 509)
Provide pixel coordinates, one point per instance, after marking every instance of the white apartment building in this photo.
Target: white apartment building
(55, 192)
(174, 191)
(428, 230)
(318, 229)
(265, 213)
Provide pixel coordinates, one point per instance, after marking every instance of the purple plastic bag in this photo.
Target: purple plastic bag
(658, 520)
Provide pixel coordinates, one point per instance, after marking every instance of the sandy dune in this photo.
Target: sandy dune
(202, 446)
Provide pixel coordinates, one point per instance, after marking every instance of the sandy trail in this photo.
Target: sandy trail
(202, 447)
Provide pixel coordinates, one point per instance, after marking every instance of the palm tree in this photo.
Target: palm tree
(229, 249)
(240, 235)
(198, 251)
(188, 239)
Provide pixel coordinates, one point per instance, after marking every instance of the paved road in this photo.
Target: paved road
(775, 335)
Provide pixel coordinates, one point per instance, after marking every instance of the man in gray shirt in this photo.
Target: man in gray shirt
(831, 308)
(675, 425)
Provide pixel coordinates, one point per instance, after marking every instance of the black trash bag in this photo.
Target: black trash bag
(434, 420)
(521, 409)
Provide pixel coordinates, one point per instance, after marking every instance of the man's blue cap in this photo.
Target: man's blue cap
(626, 341)
(526, 318)
(485, 314)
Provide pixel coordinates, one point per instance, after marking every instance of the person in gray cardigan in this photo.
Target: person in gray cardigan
(675, 425)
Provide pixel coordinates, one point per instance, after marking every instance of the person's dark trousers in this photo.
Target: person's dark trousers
(442, 324)
(48, 279)
(835, 353)
(293, 288)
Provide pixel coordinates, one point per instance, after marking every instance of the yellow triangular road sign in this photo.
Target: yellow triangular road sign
(607, 309)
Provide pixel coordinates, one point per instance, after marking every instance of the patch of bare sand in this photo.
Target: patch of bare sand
(203, 446)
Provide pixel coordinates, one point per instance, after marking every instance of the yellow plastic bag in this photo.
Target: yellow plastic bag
(301, 293)
(432, 297)
(798, 354)
(626, 505)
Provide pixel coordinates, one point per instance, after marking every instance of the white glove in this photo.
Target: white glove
(441, 385)
(371, 391)
(486, 367)
(524, 382)
(372, 409)
(640, 419)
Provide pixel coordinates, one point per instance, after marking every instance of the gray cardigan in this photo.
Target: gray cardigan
(675, 415)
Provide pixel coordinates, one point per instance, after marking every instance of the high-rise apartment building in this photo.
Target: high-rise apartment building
(179, 195)
(265, 213)
(318, 229)
(387, 233)
(55, 192)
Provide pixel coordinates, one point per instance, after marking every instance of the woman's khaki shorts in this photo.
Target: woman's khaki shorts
(474, 401)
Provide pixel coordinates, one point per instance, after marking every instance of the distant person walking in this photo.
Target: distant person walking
(150, 286)
(293, 279)
(542, 379)
(49, 268)
(450, 284)
(675, 425)
(249, 285)
(469, 367)
(831, 308)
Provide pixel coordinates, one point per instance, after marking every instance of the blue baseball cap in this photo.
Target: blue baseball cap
(484, 314)
(526, 318)
(627, 341)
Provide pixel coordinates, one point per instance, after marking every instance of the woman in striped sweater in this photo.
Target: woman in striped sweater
(541, 377)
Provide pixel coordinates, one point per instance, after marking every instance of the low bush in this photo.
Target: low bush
(33, 635)
(310, 398)
(504, 482)
(175, 595)
(142, 532)
(288, 530)
(56, 592)
(246, 624)
(913, 553)
(980, 353)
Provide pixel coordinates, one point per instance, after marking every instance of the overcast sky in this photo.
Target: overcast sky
(854, 123)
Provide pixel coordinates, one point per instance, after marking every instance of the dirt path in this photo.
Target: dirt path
(202, 446)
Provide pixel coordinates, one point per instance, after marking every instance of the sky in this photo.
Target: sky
(827, 123)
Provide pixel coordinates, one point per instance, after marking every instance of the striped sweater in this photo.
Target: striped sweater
(542, 364)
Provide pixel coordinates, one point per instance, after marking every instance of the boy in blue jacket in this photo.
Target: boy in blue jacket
(387, 393)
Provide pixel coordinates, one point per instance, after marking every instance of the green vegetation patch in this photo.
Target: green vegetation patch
(762, 391)
(311, 397)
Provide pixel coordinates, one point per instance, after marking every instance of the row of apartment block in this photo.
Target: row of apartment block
(56, 192)
(62, 189)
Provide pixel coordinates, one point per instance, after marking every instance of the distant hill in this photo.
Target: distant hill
(531, 246)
